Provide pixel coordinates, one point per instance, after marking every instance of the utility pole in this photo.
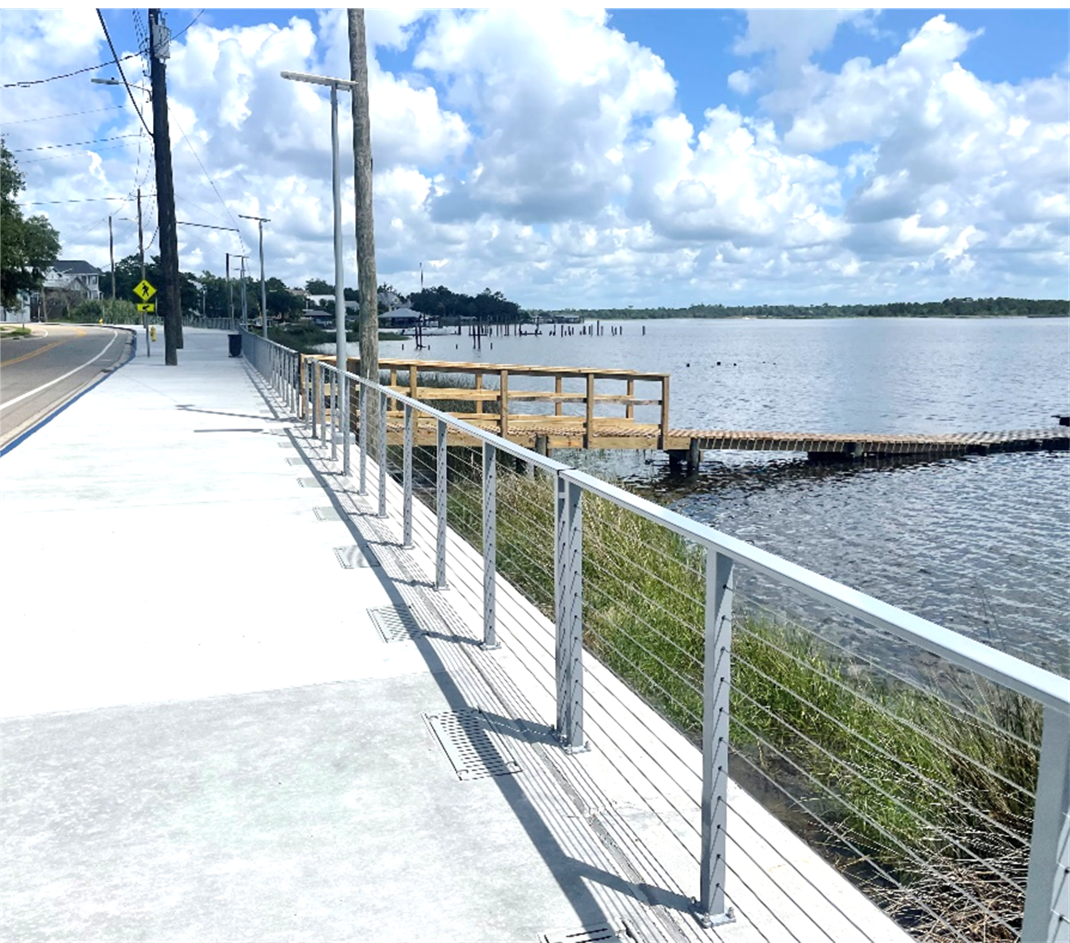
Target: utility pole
(230, 295)
(111, 252)
(263, 292)
(169, 293)
(244, 297)
(365, 229)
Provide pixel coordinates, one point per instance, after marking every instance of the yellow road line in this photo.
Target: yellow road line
(41, 350)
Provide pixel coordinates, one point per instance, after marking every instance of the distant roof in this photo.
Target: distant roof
(75, 267)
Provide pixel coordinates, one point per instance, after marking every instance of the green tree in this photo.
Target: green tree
(281, 301)
(27, 246)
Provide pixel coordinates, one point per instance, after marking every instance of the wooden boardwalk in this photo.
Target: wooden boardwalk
(491, 406)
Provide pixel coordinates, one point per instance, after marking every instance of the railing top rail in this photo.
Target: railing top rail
(1034, 682)
(260, 339)
(1003, 669)
(458, 366)
(503, 445)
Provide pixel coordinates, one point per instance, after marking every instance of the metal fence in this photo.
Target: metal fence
(932, 769)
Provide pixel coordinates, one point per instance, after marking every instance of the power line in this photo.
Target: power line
(69, 114)
(122, 75)
(68, 75)
(180, 32)
(92, 199)
(52, 147)
(208, 178)
(38, 160)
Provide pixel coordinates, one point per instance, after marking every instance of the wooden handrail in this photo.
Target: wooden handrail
(481, 394)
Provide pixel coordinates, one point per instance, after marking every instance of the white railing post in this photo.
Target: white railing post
(345, 420)
(321, 401)
(310, 423)
(568, 580)
(334, 415)
(363, 439)
(406, 514)
(441, 506)
(490, 541)
(716, 684)
(382, 455)
(1047, 893)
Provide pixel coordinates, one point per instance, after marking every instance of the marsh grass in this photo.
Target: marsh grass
(920, 792)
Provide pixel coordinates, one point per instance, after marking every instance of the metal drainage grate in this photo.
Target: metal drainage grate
(474, 748)
(308, 482)
(352, 557)
(597, 933)
(326, 514)
(395, 623)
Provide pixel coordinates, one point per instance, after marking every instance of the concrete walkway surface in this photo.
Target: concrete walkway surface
(206, 735)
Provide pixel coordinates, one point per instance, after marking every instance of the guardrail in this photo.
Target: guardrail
(934, 769)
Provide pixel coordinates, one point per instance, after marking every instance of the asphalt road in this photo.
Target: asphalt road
(40, 373)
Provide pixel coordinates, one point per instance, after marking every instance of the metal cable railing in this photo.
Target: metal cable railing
(932, 769)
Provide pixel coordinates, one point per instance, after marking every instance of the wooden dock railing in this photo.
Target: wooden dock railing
(492, 408)
(499, 406)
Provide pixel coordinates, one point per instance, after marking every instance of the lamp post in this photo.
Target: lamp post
(339, 272)
(263, 291)
(244, 302)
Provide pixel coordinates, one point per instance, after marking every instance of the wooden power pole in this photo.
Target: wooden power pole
(111, 252)
(169, 294)
(362, 178)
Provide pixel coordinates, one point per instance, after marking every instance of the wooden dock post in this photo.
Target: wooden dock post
(663, 433)
(588, 425)
(503, 404)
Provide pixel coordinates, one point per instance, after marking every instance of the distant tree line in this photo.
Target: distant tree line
(453, 307)
(949, 307)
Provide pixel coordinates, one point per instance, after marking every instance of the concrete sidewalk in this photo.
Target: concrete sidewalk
(206, 737)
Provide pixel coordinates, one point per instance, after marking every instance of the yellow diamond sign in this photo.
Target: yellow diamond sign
(144, 290)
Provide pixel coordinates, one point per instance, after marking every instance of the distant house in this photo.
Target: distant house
(399, 317)
(316, 301)
(75, 276)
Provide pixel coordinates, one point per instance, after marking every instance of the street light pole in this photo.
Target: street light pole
(339, 269)
(244, 298)
(244, 302)
(263, 292)
(230, 296)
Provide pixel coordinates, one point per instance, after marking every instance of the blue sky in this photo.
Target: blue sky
(604, 158)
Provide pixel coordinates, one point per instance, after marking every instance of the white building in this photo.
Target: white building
(75, 276)
(20, 313)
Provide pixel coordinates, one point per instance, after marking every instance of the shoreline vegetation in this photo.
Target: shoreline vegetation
(948, 308)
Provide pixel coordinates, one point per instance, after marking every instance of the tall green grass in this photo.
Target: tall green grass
(921, 792)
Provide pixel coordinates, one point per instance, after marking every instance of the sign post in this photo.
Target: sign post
(144, 290)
